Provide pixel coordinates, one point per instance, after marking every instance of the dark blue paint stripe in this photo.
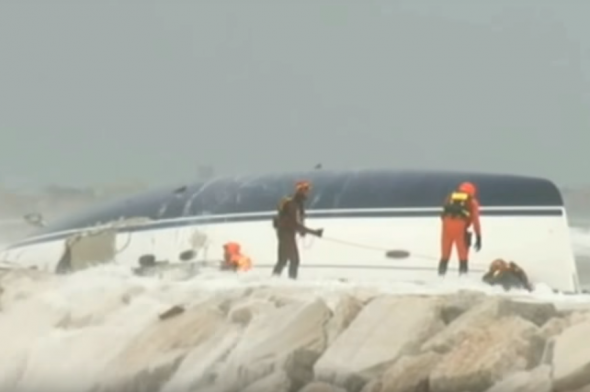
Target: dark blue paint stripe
(200, 220)
(340, 215)
(394, 214)
(382, 214)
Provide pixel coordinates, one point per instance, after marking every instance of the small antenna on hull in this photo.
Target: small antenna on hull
(35, 219)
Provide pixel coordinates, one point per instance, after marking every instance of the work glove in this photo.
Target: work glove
(477, 243)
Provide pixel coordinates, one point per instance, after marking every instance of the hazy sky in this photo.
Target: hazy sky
(101, 91)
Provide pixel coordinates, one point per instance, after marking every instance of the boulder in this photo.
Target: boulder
(454, 305)
(275, 382)
(299, 367)
(244, 312)
(281, 339)
(578, 317)
(373, 386)
(153, 356)
(537, 313)
(321, 387)
(74, 362)
(537, 380)
(197, 371)
(583, 389)
(554, 327)
(282, 295)
(232, 298)
(87, 311)
(482, 315)
(571, 358)
(410, 374)
(346, 310)
(386, 329)
(487, 354)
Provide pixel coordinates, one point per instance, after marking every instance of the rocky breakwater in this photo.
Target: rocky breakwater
(260, 339)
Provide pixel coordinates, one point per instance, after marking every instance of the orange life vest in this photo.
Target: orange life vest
(241, 262)
(233, 257)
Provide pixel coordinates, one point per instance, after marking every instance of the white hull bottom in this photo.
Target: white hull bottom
(354, 248)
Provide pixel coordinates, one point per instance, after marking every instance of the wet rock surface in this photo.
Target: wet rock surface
(131, 338)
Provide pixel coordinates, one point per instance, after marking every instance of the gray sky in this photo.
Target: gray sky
(101, 91)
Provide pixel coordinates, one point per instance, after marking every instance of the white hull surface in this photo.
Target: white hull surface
(354, 247)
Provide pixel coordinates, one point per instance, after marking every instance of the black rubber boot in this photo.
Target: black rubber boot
(293, 270)
(463, 267)
(442, 267)
(278, 268)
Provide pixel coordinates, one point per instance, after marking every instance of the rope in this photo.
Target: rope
(307, 244)
(374, 248)
(355, 244)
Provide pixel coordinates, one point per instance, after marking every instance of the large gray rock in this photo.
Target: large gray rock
(409, 374)
(482, 315)
(537, 380)
(374, 385)
(197, 371)
(149, 361)
(282, 339)
(578, 317)
(299, 367)
(275, 382)
(536, 312)
(346, 310)
(554, 327)
(283, 295)
(571, 358)
(454, 305)
(244, 312)
(487, 354)
(386, 329)
(321, 387)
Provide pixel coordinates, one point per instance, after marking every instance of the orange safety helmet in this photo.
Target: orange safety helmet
(302, 186)
(498, 265)
(468, 188)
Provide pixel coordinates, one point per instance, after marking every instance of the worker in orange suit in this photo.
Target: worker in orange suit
(460, 212)
(233, 259)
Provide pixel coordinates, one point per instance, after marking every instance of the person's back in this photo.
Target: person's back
(509, 275)
(290, 215)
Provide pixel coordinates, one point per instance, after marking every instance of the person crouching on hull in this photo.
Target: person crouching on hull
(233, 259)
(508, 275)
(460, 211)
(289, 222)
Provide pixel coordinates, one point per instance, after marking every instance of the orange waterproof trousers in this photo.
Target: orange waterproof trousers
(454, 233)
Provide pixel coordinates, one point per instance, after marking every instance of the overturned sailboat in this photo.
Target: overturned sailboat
(365, 213)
